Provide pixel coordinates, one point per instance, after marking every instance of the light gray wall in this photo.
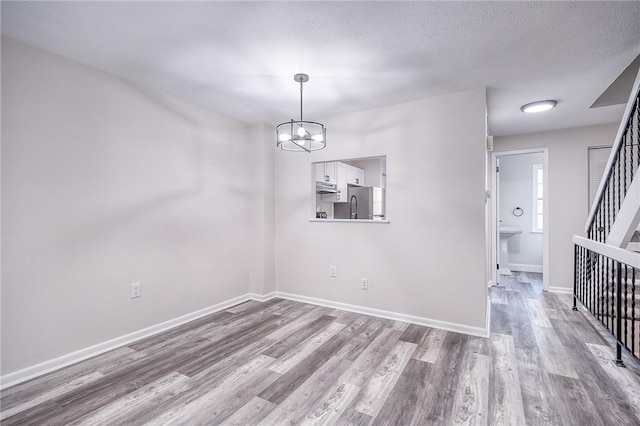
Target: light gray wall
(104, 185)
(430, 260)
(568, 187)
(516, 190)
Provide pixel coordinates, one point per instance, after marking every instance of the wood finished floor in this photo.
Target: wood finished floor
(283, 362)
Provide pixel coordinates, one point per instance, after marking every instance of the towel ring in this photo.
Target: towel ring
(517, 212)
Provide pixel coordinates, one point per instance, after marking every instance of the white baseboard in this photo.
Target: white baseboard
(522, 267)
(73, 357)
(54, 364)
(262, 297)
(427, 322)
(563, 290)
(488, 324)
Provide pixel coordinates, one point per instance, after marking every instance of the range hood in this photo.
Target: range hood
(326, 188)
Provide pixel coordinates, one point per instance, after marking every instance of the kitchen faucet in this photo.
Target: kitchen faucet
(351, 212)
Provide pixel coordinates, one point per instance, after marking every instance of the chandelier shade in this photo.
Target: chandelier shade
(301, 135)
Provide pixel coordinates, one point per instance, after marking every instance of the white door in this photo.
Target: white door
(497, 195)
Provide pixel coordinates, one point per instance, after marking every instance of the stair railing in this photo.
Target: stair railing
(621, 168)
(607, 277)
(607, 283)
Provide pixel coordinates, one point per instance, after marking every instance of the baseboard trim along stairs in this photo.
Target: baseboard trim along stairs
(37, 370)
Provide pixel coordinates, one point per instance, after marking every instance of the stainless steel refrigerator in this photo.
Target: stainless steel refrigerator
(363, 202)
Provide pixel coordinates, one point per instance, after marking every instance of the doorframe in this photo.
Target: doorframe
(493, 225)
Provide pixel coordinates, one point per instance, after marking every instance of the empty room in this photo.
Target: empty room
(320, 213)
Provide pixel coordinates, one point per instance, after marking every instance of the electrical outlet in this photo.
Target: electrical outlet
(332, 271)
(135, 290)
(364, 284)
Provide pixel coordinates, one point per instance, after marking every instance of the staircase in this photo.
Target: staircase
(634, 244)
(607, 262)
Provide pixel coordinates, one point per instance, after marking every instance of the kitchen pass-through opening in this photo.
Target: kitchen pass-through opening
(350, 189)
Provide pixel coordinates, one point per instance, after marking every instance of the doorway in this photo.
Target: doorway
(519, 215)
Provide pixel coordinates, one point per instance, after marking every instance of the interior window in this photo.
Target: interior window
(538, 198)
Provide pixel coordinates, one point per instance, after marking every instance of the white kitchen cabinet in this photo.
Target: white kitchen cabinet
(341, 183)
(340, 174)
(326, 172)
(355, 176)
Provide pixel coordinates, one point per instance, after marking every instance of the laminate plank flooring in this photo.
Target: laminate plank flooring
(295, 407)
(471, 403)
(130, 402)
(251, 413)
(429, 346)
(331, 405)
(384, 378)
(539, 407)
(285, 362)
(407, 395)
(446, 371)
(505, 395)
(577, 405)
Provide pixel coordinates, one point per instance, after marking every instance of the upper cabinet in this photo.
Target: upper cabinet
(341, 185)
(342, 175)
(326, 172)
(355, 176)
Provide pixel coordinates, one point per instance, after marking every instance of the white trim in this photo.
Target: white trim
(427, 322)
(63, 361)
(82, 354)
(525, 268)
(562, 290)
(493, 223)
(493, 252)
(535, 198)
(487, 326)
(545, 221)
(628, 217)
(630, 258)
(262, 297)
(616, 144)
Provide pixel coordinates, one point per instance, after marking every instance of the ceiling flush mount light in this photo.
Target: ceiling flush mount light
(301, 136)
(539, 106)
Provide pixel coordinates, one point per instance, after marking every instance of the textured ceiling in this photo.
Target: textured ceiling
(239, 57)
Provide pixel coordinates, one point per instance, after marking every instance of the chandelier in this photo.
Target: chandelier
(300, 135)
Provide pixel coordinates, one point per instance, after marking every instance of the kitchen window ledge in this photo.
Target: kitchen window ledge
(350, 220)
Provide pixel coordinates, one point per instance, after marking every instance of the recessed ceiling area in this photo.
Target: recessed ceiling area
(239, 58)
(618, 92)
